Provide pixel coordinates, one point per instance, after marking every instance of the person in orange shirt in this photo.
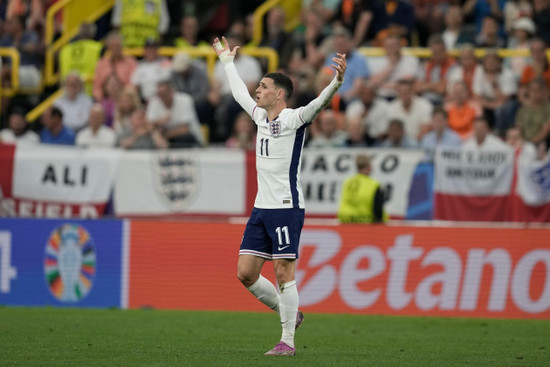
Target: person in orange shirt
(462, 110)
(113, 63)
(539, 67)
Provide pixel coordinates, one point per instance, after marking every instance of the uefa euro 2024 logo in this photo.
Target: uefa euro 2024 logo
(69, 263)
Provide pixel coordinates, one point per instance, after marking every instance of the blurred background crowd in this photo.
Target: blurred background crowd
(479, 76)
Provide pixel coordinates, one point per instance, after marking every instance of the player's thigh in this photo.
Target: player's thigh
(256, 241)
(249, 268)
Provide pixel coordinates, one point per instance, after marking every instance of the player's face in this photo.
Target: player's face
(266, 93)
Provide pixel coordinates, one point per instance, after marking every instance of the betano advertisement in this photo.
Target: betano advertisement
(479, 272)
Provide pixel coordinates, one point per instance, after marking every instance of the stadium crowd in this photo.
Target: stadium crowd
(396, 100)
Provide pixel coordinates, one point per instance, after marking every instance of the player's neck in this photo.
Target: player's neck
(274, 111)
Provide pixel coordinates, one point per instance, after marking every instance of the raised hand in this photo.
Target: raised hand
(220, 48)
(340, 65)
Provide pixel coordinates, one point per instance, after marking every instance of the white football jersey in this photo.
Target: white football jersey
(279, 146)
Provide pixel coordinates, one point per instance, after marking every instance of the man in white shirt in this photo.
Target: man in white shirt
(273, 230)
(74, 103)
(413, 110)
(96, 135)
(372, 110)
(482, 139)
(18, 130)
(151, 70)
(174, 112)
(387, 70)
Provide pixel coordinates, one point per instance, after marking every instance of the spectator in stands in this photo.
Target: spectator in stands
(523, 30)
(482, 139)
(190, 77)
(142, 134)
(139, 20)
(27, 44)
(362, 199)
(414, 111)
(128, 102)
(495, 89)
(466, 68)
(189, 33)
(357, 71)
(440, 136)
(392, 17)
(112, 88)
(541, 17)
(479, 9)
(525, 149)
(74, 103)
(514, 10)
(462, 110)
(250, 71)
(96, 134)
(174, 113)
(372, 111)
(356, 16)
(244, 133)
(327, 9)
(54, 132)
(357, 135)
(150, 70)
(81, 55)
(276, 37)
(432, 81)
(312, 45)
(18, 130)
(539, 67)
(32, 10)
(428, 17)
(387, 70)
(113, 63)
(396, 137)
(489, 36)
(533, 117)
(455, 33)
(328, 134)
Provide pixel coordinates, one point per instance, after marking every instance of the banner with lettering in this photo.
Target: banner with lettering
(325, 170)
(493, 185)
(57, 181)
(377, 269)
(194, 181)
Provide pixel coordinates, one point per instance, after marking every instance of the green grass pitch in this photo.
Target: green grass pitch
(84, 337)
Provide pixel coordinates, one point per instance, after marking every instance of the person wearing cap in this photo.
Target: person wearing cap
(358, 70)
(152, 69)
(139, 20)
(523, 30)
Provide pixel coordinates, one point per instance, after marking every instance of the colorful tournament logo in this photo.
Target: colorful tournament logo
(70, 262)
(177, 175)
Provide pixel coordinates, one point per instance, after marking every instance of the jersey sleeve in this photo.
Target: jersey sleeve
(308, 113)
(239, 89)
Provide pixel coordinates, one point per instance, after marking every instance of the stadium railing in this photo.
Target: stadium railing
(13, 54)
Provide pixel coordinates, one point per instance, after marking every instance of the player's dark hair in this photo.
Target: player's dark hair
(282, 81)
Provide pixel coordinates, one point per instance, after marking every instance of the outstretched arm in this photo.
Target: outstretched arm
(309, 112)
(238, 88)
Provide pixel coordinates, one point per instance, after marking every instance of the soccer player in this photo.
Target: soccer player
(274, 227)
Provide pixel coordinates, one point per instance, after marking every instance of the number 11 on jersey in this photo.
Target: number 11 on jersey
(262, 140)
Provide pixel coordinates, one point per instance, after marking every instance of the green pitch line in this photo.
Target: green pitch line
(76, 337)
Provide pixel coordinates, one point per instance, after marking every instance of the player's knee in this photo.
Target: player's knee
(246, 277)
